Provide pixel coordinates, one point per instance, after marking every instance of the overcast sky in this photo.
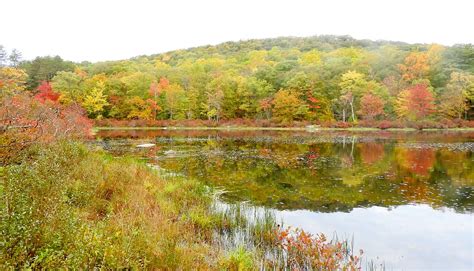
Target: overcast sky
(97, 30)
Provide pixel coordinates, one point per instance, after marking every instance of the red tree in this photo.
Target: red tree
(416, 103)
(46, 93)
(371, 106)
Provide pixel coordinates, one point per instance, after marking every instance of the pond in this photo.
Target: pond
(406, 198)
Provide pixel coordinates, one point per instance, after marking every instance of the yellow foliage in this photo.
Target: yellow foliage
(12, 80)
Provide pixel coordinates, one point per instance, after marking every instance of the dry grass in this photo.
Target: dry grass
(84, 210)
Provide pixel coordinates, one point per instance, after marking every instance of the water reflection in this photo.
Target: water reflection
(327, 172)
(407, 198)
(406, 237)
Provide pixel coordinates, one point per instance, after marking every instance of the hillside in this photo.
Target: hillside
(320, 78)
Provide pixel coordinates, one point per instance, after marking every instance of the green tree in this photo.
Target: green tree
(44, 69)
(176, 101)
(15, 58)
(70, 85)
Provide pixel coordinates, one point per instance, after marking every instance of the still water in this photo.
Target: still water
(406, 198)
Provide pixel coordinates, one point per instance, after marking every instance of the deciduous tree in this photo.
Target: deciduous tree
(415, 66)
(415, 103)
(15, 58)
(288, 107)
(12, 80)
(353, 85)
(46, 93)
(459, 94)
(95, 101)
(70, 85)
(371, 106)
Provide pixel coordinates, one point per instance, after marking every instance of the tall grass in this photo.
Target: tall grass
(65, 206)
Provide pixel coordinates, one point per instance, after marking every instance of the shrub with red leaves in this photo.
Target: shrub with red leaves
(46, 93)
(305, 251)
(25, 120)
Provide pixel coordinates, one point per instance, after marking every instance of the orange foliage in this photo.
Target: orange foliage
(156, 88)
(371, 152)
(305, 251)
(415, 103)
(416, 66)
(415, 190)
(371, 106)
(417, 161)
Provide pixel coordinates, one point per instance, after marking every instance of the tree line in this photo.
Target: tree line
(320, 78)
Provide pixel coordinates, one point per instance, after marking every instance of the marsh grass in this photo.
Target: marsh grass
(273, 246)
(67, 206)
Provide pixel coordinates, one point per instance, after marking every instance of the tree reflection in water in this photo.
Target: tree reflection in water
(330, 171)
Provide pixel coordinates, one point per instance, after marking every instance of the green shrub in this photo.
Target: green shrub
(238, 260)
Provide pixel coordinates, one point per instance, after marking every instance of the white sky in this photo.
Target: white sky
(108, 30)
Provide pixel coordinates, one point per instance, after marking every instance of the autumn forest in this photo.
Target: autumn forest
(289, 153)
(320, 79)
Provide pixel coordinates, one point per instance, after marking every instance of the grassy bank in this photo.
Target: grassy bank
(66, 206)
(71, 207)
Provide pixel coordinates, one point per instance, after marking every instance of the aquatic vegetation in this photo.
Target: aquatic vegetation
(239, 260)
(304, 251)
(69, 206)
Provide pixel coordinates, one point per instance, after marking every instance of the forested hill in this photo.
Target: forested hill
(320, 78)
(322, 43)
(461, 54)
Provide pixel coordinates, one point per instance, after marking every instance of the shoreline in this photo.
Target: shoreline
(299, 129)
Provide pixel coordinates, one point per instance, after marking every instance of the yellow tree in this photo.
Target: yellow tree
(456, 100)
(312, 57)
(96, 101)
(140, 109)
(12, 80)
(287, 106)
(353, 85)
(176, 101)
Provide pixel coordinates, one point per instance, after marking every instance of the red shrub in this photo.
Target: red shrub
(24, 121)
(305, 251)
(46, 93)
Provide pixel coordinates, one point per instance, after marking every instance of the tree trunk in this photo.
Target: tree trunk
(352, 109)
(154, 109)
